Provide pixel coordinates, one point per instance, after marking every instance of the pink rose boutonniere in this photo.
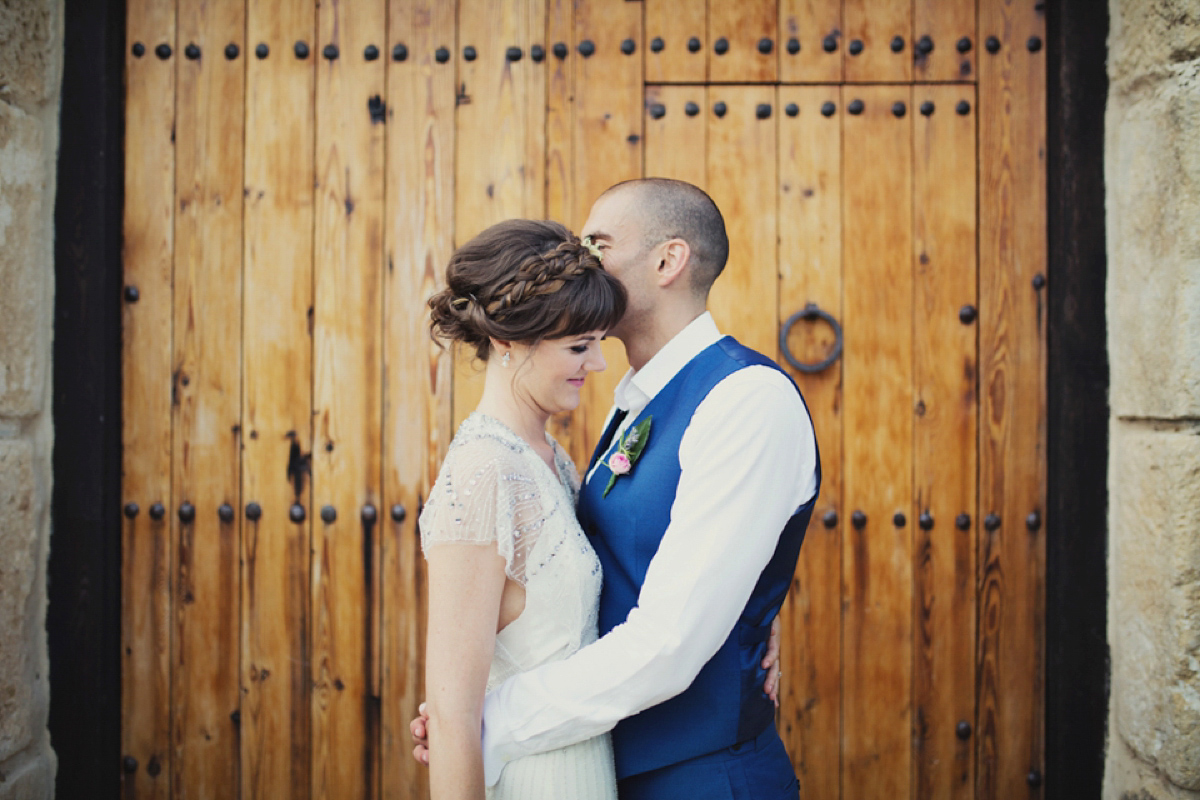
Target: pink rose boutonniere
(628, 451)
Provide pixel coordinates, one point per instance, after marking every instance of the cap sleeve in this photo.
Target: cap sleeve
(484, 494)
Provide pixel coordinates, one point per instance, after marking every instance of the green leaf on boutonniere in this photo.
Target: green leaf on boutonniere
(627, 453)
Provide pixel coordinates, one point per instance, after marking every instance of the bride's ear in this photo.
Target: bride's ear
(500, 346)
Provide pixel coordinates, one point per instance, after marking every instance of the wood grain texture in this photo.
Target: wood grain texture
(501, 139)
(809, 22)
(676, 142)
(608, 149)
(876, 23)
(947, 23)
(1012, 432)
(676, 23)
(146, 552)
(742, 181)
(810, 271)
(561, 202)
(944, 454)
(419, 234)
(347, 396)
(208, 396)
(277, 402)
(743, 25)
(877, 558)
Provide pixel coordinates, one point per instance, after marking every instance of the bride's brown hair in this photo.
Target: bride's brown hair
(524, 281)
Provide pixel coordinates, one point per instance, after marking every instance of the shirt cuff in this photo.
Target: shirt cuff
(493, 759)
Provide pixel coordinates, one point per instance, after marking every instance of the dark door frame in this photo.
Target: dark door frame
(84, 615)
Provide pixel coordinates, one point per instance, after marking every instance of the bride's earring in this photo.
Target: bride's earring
(504, 359)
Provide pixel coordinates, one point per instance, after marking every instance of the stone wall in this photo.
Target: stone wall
(30, 66)
(1152, 173)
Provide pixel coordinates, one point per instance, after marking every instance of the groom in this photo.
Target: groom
(698, 538)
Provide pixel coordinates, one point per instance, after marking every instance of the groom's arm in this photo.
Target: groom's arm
(748, 462)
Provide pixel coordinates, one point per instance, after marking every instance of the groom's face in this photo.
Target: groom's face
(614, 225)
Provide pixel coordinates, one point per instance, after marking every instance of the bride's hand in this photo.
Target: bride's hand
(420, 736)
(771, 664)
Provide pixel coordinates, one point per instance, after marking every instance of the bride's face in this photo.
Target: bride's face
(550, 374)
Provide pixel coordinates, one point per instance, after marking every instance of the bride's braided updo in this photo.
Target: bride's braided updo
(523, 281)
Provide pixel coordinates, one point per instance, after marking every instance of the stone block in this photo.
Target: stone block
(26, 263)
(1154, 595)
(1147, 35)
(1128, 778)
(18, 572)
(1152, 169)
(30, 51)
(31, 780)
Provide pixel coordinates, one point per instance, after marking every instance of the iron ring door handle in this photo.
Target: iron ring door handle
(810, 311)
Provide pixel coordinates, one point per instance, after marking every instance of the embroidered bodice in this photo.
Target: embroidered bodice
(493, 487)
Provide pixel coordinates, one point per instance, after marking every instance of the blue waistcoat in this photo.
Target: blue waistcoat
(725, 704)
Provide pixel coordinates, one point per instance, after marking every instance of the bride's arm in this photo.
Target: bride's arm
(466, 582)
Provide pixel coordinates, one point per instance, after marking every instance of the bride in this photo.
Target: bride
(513, 581)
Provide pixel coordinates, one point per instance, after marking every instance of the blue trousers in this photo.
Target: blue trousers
(758, 769)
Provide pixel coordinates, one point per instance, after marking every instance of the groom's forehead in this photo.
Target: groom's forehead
(612, 216)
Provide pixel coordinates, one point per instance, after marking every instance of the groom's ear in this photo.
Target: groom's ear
(674, 257)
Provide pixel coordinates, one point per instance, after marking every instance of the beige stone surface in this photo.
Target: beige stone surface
(33, 779)
(18, 568)
(30, 72)
(1153, 174)
(30, 51)
(25, 262)
(1147, 36)
(1154, 594)
(1128, 778)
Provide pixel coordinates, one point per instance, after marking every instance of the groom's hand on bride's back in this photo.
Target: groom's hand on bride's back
(770, 663)
(420, 733)
(420, 736)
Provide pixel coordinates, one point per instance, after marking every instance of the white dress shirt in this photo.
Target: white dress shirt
(748, 461)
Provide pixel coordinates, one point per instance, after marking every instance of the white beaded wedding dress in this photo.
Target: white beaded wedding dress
(493, 487)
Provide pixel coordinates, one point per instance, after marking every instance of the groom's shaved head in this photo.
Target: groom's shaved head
(671, 209)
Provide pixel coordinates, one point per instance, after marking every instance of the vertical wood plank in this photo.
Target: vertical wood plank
(742, 180)
(561, 203)
(501, 137)
(608, 100)
(277, 401)
(347, 364)
(207, 388)
(1012, 431)
(676, 141)
(416, 400)
(608, 149)
(676, 23)
(810, 271)
(877, 555)
(146, 395)
(876, 23)
(950, 26)
(809, 23)
(744, 26)
(944, 455)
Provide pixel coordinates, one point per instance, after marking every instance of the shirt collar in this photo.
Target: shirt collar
(639, 387)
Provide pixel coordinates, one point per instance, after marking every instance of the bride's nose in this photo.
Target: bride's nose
(596, 362)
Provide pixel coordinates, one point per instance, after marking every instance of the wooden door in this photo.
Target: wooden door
(297, 177)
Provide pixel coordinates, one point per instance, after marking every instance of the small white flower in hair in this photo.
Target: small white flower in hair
(593, 248)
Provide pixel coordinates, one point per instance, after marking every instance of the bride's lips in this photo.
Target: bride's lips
(576, 382)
